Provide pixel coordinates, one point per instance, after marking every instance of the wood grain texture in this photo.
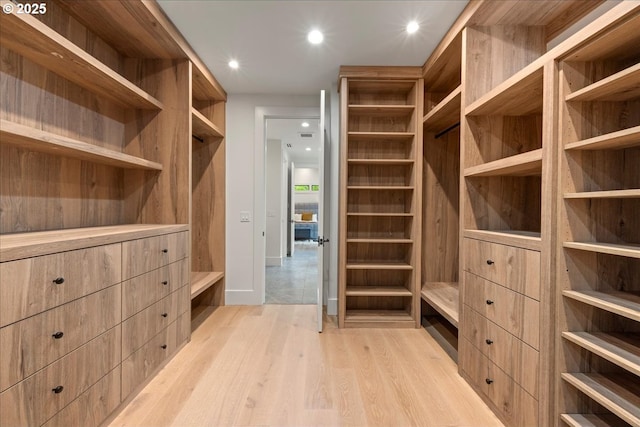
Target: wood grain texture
(444, 298)
(525, 164)
(621, 86)
(203, 127)
(381, 72)
(445, 114)
(622, 303)
(143, 255)
(342, 376)
(621, 139)
(620, 349)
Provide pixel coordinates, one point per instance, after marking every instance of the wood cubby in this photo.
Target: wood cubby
(380, 197)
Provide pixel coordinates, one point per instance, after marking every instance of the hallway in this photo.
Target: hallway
(296, 281)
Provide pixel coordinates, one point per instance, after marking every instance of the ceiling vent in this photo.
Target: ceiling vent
(306, 135)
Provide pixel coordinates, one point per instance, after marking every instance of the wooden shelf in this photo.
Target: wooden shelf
(25, 245)
(610, 194)
(616, 392)
(523, 239)
(401, 241)
(356, 317)
(380, 135)
(34, 40)
(380, 110)
(203, 127)
(384, 214)
(631, 251)
(380, 187)
(203, 280)
(620, 349)
(377, 291)
(47, 142)
(590, 420)
(445, 114)
(525, 164)
(379, 266)
(621, 139)
(443, 68)
(380, 161)
(444, 297)
(519, 95)
(625, 304)
(622, 86)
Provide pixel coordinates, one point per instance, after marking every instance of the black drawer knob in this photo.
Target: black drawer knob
(488, 380)
(490, 262)
(58, 389)
(163, 346)
(164, 251)
(489, 302)
(58, 280)
(165, 282)
(58, 335)
(488, 341)
(164, 314)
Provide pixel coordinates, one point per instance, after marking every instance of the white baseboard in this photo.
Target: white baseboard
(332, 306)
(274, 261)
(242, 297)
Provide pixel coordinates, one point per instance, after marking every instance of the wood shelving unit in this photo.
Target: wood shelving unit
(443, 297)
(591, 420)
(203, 127)
(632, 251)
(624, 138)
(445, 114)
(378, 274)
(621, 86)
(621, 303)
(610, 194)
(620, 349)
(201, 281)
(525, 164)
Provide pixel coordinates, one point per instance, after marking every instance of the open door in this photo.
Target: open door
(321, 239)
(292, 210)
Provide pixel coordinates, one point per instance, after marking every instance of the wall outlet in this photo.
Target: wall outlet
(245, 216)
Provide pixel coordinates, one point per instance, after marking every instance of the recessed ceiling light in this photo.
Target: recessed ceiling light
(412, 27)
(234, 64)
(315, 37)
(308, 149)
(305, 124)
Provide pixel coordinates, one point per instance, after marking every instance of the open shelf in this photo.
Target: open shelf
(381, 135)
(380, 161)
(202, 126)
(401, 241)
(525, 164)
(611, 194)
(47, 142)
(631, 251)
(379, 266)
(620, 349)
(590, 420)
(376, 316)
(443, 297)
(34, 40)
(625, 304)
(519, 95)
(615, 140)
(621, 86)
(445, 114)
(378, 110)
(616, 392)
(379, 214)
(523, 239)
(203, 280)
(377, 291)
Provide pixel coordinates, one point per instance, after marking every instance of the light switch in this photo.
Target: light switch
(245, 216)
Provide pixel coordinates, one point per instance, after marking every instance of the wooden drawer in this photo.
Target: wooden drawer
(142, 291)
(518, 314)
(33, 401)
(143, 255)
(139, 329)
(515, 268)
(509, 401)
(517, 359)
(93, 406)
(28, 285)
(142, 363)
(29, 345)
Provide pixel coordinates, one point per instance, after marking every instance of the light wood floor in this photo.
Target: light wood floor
(267, 366)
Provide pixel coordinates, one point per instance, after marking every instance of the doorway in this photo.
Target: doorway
(292, 182)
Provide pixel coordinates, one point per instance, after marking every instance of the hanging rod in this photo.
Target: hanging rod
(450, 128)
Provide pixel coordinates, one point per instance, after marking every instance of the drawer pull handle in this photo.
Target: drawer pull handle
(58, 335)
(488, 380)
(489, 302)
(165, 282)
(488, 341)
(164, 314)
(164, 251)
(490, 262)
(163, 346)
(58, 280)
(58, 389)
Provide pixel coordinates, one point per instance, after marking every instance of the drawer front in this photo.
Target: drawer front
(29, 287)
(518, 314)
(93, 406)
(509, 401)
(143, 255)
(33, 343)
(517, 359)
(33, 401)
(515, 268)
(142, 291)
(139, 329)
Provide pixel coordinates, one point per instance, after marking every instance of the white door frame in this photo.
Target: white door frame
(259, 202)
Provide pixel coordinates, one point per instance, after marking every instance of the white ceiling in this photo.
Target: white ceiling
(268, 38)
(288, 131)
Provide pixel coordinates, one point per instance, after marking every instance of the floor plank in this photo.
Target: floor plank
(267, 366)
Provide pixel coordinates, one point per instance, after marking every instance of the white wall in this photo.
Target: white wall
(274, 202)
(309, 176)
(241, 153)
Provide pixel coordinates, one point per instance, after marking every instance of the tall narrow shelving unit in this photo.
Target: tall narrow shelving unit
(599, 245)
(380, 196)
